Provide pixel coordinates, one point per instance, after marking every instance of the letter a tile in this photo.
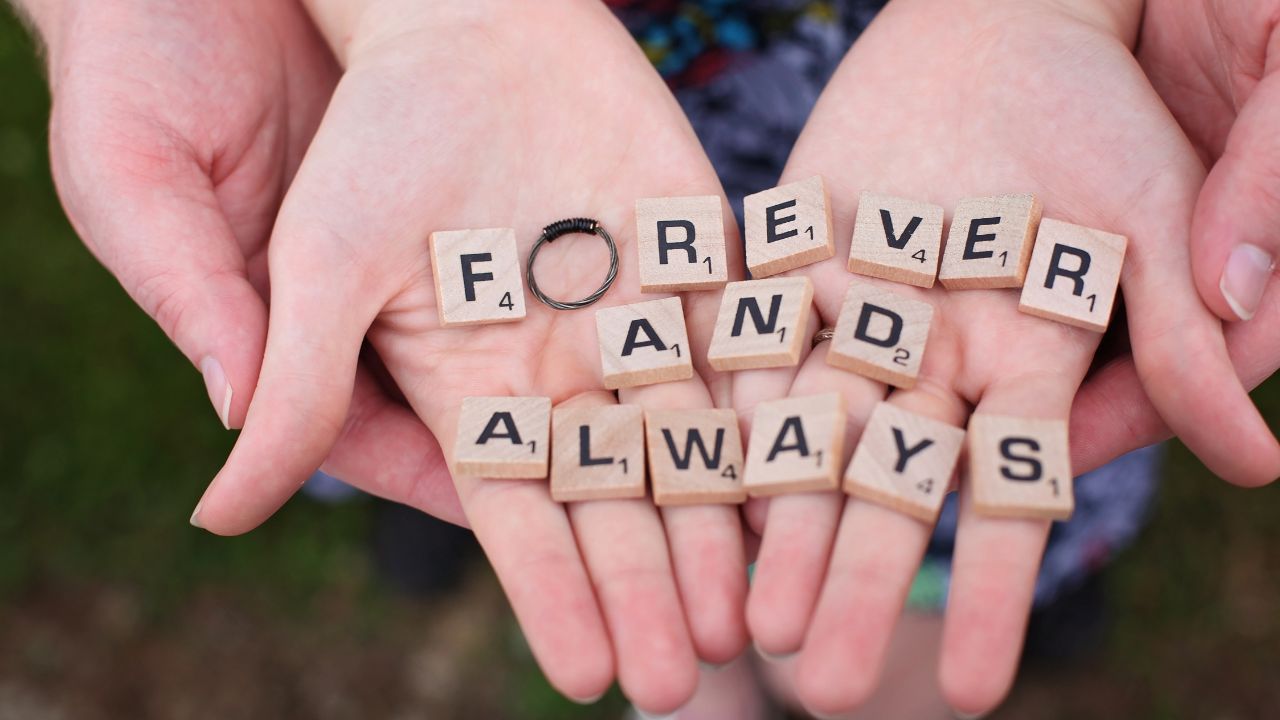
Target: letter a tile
(695, 456)
(989, 243)
(681, 244)
(896, 239)
(1020, 468)
(477, 276)
(503, 437)
(762, 324)
(1073, 275)
(643, 343)
(797, 445)
(598, 453)
(904, 461)
(788, 227)
(881, 335)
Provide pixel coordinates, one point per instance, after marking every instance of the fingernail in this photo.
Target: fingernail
(771, 657)
(586, 701)
(220, 392)
(195, 516)
(1245, 277)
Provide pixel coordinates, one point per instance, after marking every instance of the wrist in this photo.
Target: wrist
(1119, 18)
(352, 27)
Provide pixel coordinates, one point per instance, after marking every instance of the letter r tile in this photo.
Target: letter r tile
(680, 241)
(477, 276)
(881, 334)
(643, 343)
(1073, 275)
(503, 437)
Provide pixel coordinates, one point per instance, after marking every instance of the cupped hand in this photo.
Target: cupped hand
(1216, 64)
(490, 115)
(939, 101)
(176, 128)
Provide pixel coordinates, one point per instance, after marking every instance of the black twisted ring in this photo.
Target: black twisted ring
(568, 227)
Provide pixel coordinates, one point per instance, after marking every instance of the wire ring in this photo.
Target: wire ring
(569, 227)
(823, 335)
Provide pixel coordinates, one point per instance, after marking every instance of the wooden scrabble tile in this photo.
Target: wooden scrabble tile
(1019, 467)
(989, 243)
(695, 456)
(881, 334)
(788, 227)
(503, 437)
(597, 453)
(643, 343)
(477, 276)
(1073, 275)
(904, 461)
(762, 324)
(896, 239)
(681, 244)
(796, 445)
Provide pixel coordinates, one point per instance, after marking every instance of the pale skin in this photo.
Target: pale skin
(1216, 65)
(597, 587)
(475, 116)
(175, 129)
(938, 101)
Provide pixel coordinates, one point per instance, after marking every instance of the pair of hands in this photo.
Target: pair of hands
(177, 132)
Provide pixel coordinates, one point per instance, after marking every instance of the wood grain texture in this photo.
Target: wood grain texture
(897, 239)
(881, 334)
(597, 453)
(787, 227)
(1074, 275)
(989, 243)
(796, 445)
(643, 343)
(761, 324)
(904, 461)
(680, 242)
(695, 456)
(1020, 467)
(503, 437)
(477, 276)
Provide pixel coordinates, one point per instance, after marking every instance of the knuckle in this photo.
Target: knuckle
(164, 296)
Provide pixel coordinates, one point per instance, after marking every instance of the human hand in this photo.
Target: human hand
(479, 115)
(1214, 64)
(175, 129)
(939, 101)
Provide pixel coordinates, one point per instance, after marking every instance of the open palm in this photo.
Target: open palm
(940, 101)
(469, 118)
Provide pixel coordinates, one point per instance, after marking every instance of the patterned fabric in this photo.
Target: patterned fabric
(748, 73)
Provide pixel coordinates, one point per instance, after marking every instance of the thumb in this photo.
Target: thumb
(1236, 231)
(166, 240)
(318, 318)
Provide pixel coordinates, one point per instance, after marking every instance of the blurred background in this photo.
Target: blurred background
(112, 606)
